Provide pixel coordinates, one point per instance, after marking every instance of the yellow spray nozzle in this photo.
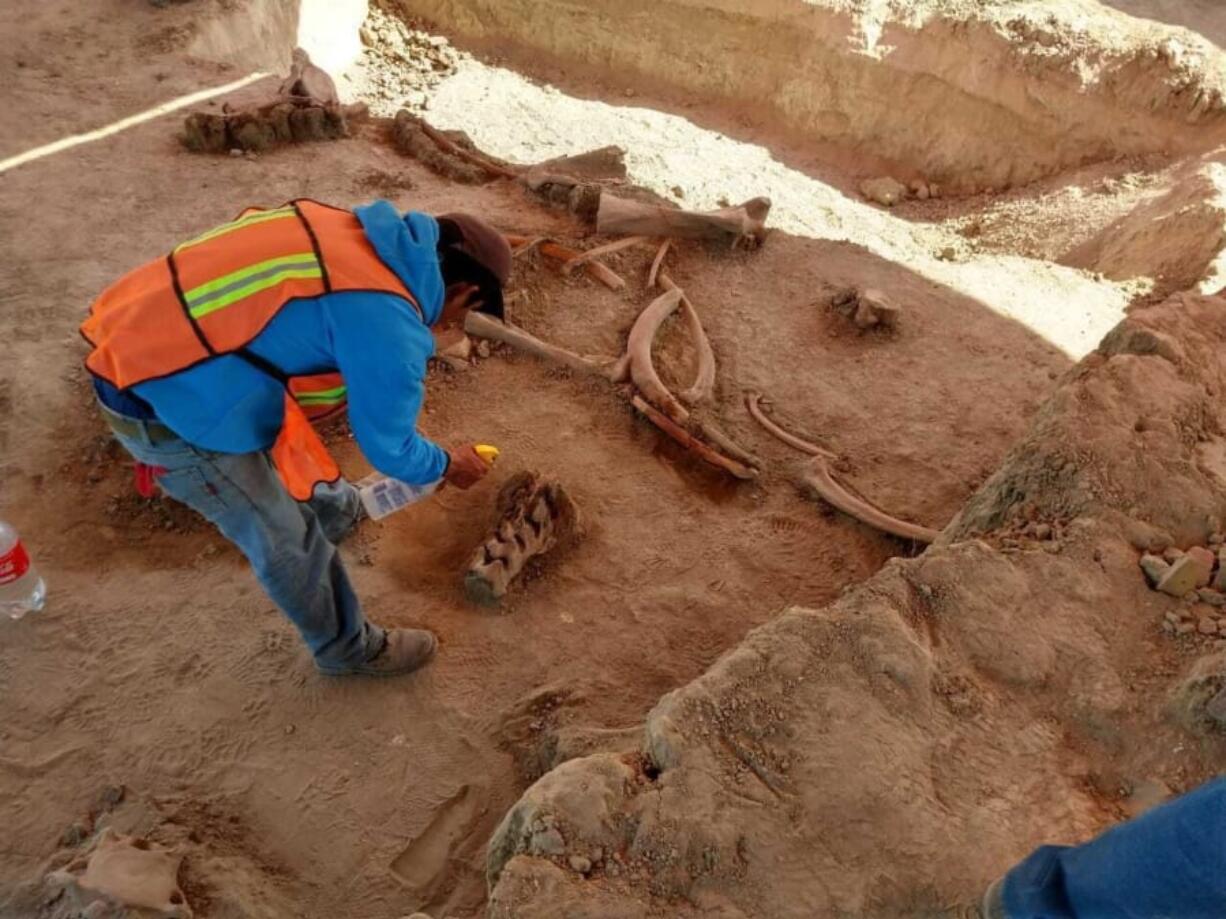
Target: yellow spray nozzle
(487, 452)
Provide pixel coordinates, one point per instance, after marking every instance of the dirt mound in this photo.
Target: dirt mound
(1176, 238)
(891, 753)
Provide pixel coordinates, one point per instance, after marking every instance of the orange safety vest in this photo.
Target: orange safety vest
(215, 293)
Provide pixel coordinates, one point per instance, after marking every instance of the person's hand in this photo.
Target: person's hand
(466, 468)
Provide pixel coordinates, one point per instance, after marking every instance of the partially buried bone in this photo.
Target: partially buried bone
(818, 480)
(127, 872)
(535, 514)
(744, 223)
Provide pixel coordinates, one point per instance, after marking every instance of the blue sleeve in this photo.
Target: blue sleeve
(381, 348)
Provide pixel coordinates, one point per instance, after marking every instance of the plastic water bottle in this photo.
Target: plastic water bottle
(382, 496)
(22, 590)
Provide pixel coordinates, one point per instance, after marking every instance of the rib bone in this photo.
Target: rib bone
(820, 480)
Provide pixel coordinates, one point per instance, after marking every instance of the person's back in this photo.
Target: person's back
(260, 322)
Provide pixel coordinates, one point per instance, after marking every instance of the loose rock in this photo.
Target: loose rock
(1211, 597)
(580, 864)
(1216, 709)
(1207, 626)
(548, 842)
(1172, 554)
(1155, 569)
(1184, 576)
(884, 191)
(1205, 560)
(1219, 580)
(874, 308)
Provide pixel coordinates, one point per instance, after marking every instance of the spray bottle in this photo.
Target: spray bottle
(382, 495)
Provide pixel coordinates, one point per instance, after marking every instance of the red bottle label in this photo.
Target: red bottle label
(13, 564)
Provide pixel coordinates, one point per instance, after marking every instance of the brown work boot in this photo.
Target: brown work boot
(404, 651)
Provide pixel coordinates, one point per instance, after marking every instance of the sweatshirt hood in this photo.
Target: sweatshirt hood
(409, 246)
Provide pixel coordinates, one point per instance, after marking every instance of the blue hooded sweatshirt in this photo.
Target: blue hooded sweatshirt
(376, 341)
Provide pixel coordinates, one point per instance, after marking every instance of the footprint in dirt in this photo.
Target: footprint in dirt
(426, 865)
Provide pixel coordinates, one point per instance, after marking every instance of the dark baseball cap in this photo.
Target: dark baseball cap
(473, 252)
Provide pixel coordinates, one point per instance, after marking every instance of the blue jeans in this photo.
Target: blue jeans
(1169, 863)
(291, 546)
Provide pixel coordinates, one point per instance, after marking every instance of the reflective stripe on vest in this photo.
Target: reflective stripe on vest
(320, 395)
(217, 291)
(249, 216)
(246, 282)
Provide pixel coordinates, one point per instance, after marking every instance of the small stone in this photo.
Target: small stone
(235, 151)
(1207, 626)
(948, 254)
(1184, 575)
(289, 729)
(1169, 627)
(1172, 555)
(1155, 569)
(1219, 580)
(548, 842)
(1211, 597)
(580, 864)
(884, 191)
(1172, 617)
(934, 190)
(112, 796)
(1205, 560)
(874, 308)
(920, 190)
(483, 348)
(1042, 531)
(1216, 708)
(1185, 628)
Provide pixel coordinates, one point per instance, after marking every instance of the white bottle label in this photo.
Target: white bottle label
(386, 496)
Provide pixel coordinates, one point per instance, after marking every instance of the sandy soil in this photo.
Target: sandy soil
(160, 667)
(1204, 17)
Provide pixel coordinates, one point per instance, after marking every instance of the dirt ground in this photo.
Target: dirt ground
(158, 665)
